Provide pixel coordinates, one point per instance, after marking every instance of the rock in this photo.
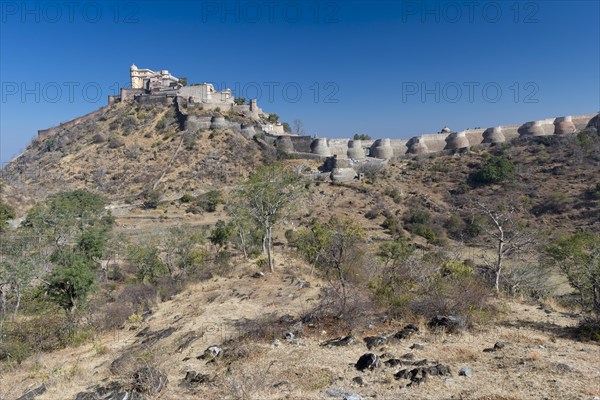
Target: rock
(358, 380)
(393, 362)
(149, 380)
(501, 345)
(406, 332)
(32, 394)
(276, 342)
(417, 346)
(564, 368)
(210, 353)
(289, 336)
(489, 350)
(153, 337)
(192, 378)
(375, 341)
(465, 372)
(408, 356)
(419, 375)
(343, 395)
(280, 384)
(186, 341)
(340, 341)
(303, 284)
(368, 361)
(450, 323)
(113, 391)
(258, 274)
(386, 355)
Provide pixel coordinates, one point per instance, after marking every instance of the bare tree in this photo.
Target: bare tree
(298, 127)
(505, 234)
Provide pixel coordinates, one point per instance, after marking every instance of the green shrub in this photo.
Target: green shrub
(206, 202)
(424, 231)
(494, 170)
(150, 198)
(186, 198)
(418, 216)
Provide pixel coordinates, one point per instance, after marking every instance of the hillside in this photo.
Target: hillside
(148, 335)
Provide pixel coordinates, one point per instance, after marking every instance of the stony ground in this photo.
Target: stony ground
(541, 361)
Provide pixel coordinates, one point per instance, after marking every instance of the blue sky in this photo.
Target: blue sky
(387, 68)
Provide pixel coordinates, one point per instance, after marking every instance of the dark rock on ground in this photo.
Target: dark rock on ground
(154, 337)
(187, 340)
(113, 391)
(393, 362)
(358, 380)
(280, 384)
(417, 346)
(192, 378)
(450, 323)
(32, 394)
(421, 374)
(564, 368)
(408, 356)
(211, 352)
(340, 341)
(501, 345)
(375, 341)
(465, 372)
(406, 332)
(258, 274)
(368, 361)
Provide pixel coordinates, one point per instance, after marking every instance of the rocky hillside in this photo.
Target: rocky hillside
(127, 149)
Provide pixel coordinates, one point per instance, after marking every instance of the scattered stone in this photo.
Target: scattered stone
(280, 384)
(393, 362)
(187, 340)
(501, 345)
(408, 356)
(154, 337)
(276, 342)
(192, 378)
(340, 341)
(465, 372)
(406, 332)
(289, 336)
(258, 274)
(489, 350)
(450, 323)
(358, 380)
(149, 380)
(32, 394)
(417, 346)
(425, 361)
(375, 341)
(564, 368)
(113, 391)
(368, 361)
(343, 395)
(386, 355)
(303, 284)
(420, 375)
(210, 353)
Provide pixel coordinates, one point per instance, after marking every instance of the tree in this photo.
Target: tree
(182, 255)
(339, 254)
(147, 262)
(183, 81)
(298, 127)
(578, 257)
(311, 243)
(268, 196)
(273, 118)
(361, 136)
(240, 101)
(220, 235)
(506, 234)
(494, 170)
(286, 127)
(244, 229)
(6, 213)
(71, 280)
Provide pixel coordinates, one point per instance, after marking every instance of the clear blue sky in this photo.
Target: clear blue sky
(361, 66)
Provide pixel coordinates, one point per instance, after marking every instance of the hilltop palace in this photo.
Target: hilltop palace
(341, 155)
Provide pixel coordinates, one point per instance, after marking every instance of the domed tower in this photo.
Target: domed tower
(136, 79)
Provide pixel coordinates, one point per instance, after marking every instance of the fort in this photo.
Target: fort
(340, 156)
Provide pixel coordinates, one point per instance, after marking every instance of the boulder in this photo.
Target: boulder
(192, 378)
(465, 372)
(375, 341)
(340, 341)
(32, 394)
(368, 361)
(406, 332)
(450, 323)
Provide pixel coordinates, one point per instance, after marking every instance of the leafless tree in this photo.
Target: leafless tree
(506, 234)
(298, 127)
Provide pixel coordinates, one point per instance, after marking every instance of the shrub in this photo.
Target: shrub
(99, 138)
(372, 214)
(186, 198)
(150, 198)
(417, 216)
(114, 142)
(494, 170)
(555, 203)
(6, 213)
(207, 202)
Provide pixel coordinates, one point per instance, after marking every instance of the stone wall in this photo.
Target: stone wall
(437, 142)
